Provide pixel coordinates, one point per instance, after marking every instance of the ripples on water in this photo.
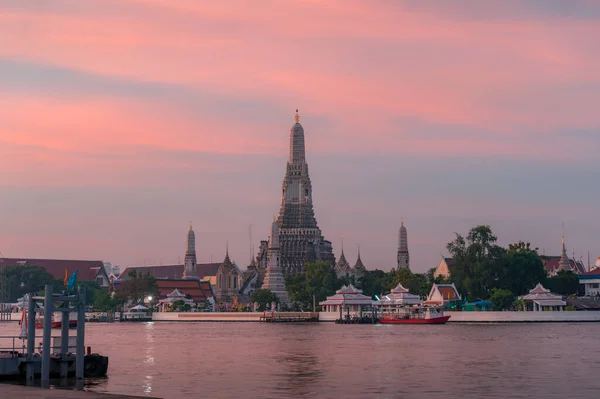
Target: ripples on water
(252, 360)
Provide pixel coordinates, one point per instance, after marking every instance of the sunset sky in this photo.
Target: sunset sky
(122, 120)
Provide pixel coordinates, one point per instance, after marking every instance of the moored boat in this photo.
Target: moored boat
(56, 321)
(416, 315)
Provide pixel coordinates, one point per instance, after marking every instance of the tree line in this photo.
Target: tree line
(481, 270)
(16, 281)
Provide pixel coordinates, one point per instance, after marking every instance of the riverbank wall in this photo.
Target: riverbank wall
(208, 316)
(524, 317)
(456, 317)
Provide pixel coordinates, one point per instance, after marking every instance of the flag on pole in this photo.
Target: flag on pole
(72, 280)
(66, 277)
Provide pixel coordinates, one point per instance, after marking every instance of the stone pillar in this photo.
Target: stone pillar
(30, 339)
(48, 310)
(64, 338)
(79, 359)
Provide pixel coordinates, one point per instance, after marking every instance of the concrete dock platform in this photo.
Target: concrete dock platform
(10, 391)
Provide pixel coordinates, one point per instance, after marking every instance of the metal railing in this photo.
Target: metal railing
(18, 346)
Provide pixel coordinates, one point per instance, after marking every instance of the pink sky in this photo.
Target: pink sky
(121, 120)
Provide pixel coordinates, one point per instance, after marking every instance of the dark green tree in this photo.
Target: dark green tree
(318, 280)
(416, 283)
(376, 282)
(520, 270)
(477, 259)
(20, 280)
(263, 297)
(565, 283)
(137, 287)
(104, 302)
(501, 299)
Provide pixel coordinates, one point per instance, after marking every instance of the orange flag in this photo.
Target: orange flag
(66, 277)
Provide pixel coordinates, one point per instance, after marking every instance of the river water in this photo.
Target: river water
(326, 360)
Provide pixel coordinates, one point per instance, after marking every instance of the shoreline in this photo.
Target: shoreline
(582, 316)
(34, 392)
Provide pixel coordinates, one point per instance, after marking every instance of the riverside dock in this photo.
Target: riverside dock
(63, 358)
(289, 317)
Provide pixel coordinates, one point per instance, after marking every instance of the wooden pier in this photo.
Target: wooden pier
(289, 317)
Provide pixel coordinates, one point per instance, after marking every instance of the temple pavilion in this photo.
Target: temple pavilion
(398, 297)
(349, 300)
(541, 298)
(443, 295)
(166, 303)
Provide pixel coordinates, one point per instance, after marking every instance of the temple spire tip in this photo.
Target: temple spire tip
(297, 116)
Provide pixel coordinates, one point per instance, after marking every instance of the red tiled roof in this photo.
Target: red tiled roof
(594, 272)
(88, 269)
(551, 264)
(191, 287)
(172, 271)
(207, 288)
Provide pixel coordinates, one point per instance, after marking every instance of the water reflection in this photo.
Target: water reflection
(253, 360)
(149, 360)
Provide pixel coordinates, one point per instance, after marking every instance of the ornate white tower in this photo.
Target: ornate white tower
(189, 270)
(274, 280)
(403, 257)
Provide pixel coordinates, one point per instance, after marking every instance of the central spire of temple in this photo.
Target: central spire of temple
(297, 150)
(300, 238)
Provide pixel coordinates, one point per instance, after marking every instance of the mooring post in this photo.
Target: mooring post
(48, 310)
(29, 368)
(80, 337)
(64, 339)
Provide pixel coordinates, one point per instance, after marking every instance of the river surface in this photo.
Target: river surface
(326, 360)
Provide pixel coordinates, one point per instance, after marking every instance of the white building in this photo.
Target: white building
(397, 298)
(348, 300)
(591, 280)
(542, 299)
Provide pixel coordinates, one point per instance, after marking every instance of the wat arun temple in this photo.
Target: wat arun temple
(300, 239)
